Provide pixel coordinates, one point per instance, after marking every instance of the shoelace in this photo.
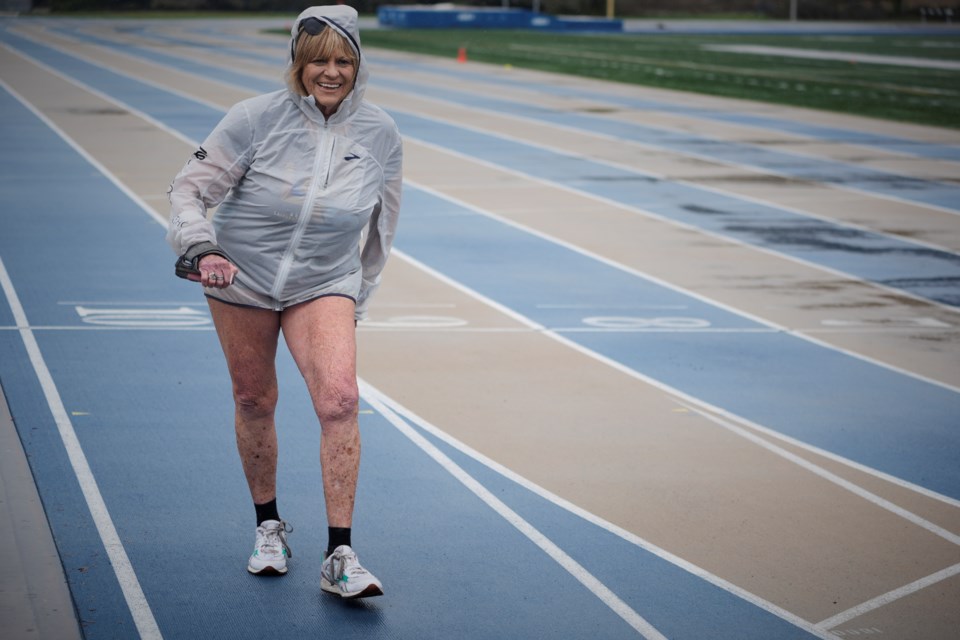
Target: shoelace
(272, 539)
(345, 563)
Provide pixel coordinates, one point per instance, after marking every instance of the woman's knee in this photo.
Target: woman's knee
(337, 404)
(255, 401)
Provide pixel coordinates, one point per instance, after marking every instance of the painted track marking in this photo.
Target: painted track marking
(388, 404)
(122, 567)
(665, 387)
(887, 598)
(831, 477)
(574, 568)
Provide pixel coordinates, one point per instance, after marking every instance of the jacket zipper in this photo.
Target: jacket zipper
(326, 180)
(287, 261)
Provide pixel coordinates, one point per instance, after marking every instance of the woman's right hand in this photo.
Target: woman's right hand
(216, 271)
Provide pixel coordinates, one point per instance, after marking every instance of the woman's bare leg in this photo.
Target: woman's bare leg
(321, 336)
(249, 340)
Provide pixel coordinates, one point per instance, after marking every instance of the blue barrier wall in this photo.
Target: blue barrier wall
(428, 17)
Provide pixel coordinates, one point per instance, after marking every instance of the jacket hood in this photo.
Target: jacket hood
(342, 19)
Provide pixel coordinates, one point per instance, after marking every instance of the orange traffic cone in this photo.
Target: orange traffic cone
(462, 54)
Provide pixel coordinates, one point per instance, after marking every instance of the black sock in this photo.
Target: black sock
(337, 537)
(266, 511)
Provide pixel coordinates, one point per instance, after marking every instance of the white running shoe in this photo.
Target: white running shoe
(342, 574)
(270, 552)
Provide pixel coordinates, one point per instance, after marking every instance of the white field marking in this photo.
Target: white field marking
(575, 569)
(693, 185)
(371, 393)
(648, 325)
(417, 322)
(828, 476)
(116, 554)
(663, 283)
(681, 225)
(887, 598)
(676, 323)
(597, 307)
(86, 156)
(773, 77)
(416, 305)
(840, 56)
(669, 389)
(152, 316)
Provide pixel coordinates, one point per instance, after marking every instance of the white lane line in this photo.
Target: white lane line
(385, 403)
(887, 598)
(717, 161)
(76, 147)
(122, 567)
(126, 74)
(830, 477)
(646, 213)
(379, 402)
(674, 129)
(841, 56)
(672, 287)
(676, 393)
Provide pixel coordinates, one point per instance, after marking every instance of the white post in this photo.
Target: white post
(793, 10)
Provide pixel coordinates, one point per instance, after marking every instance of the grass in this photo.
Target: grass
(682, 62)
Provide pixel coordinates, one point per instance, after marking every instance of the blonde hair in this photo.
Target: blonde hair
(323, 46)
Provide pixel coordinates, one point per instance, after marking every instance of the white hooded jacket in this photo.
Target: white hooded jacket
(307, 206)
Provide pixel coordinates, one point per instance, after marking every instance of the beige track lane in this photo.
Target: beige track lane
(849, 314)
(610, 443)
(630, 453)
(917, 222)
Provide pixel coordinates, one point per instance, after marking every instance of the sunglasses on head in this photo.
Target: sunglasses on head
(314, 27)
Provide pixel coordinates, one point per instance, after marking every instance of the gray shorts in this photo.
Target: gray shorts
(239, 295)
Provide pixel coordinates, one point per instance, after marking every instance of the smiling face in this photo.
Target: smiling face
(328, 80)
(324, 66)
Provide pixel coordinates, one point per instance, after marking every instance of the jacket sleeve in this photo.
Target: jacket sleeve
(381, 229)
(213, 170)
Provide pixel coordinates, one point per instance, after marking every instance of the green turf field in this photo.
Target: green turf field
(905, 93)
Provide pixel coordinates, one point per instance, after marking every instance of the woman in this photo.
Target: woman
(304, 177)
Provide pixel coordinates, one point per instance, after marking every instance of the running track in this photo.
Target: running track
(488, 505)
